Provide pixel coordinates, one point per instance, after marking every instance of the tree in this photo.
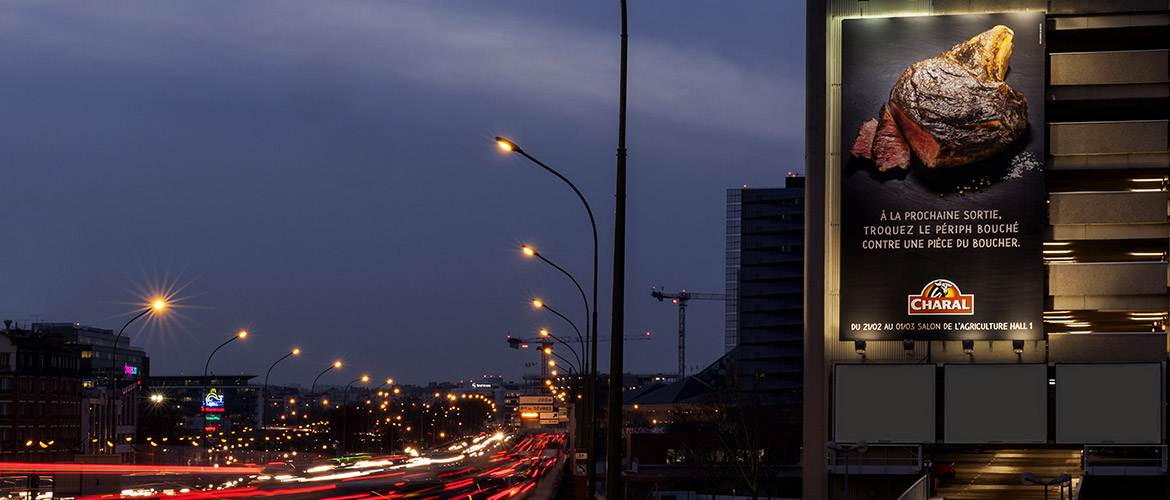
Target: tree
(737, 438)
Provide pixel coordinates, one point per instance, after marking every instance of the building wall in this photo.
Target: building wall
(40, 401)
(1106, 104)
(768, 239)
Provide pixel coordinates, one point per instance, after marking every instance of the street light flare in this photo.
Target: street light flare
(506, 145)
(159, 304)
(296, 351)
(337, 364)
(528, 250)
(365, 378)
(544, 332)
(242, 334)
(537, 303)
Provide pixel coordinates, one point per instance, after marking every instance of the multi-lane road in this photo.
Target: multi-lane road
(484, 467)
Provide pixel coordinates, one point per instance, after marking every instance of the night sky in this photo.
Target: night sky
(324, 175)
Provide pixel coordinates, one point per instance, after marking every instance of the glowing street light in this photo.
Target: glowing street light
(156, 306)
(619, 273)
(264, 394)
(533, 253)
(313, 389)
(345, 409)
(206, 382)
(542, 305)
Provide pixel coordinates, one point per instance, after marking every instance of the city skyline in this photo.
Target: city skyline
(326, 177)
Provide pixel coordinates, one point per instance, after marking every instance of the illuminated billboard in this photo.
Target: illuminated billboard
(213, 401)
(942, 182)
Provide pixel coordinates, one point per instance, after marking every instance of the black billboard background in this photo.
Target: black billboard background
(1007, 282)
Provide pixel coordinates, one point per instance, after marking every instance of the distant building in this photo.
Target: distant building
(94, 348)
(215, 404)
(765, 290)
(40, 400)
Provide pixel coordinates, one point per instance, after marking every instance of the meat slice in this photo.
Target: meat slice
(955, 109)
(889, 148)
(863, 145)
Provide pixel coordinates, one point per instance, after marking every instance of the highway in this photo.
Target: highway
(485, 467)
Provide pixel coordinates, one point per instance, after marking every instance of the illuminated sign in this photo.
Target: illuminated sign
(941, 297)
(130, 370)
(213, 401)
(942, 147)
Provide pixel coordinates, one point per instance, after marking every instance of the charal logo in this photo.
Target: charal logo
(941, 297)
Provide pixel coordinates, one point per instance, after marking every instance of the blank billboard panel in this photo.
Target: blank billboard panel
(884, 403)
(1109, 403)
(995, 404)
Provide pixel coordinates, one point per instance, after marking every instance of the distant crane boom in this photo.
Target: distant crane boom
(681, 299)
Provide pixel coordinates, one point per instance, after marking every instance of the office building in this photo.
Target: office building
(40, 400)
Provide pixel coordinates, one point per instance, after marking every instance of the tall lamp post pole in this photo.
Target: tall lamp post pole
(345, 409)
(203, 411)
(591, 380)
(369, 421)
(577, 357)
(613, 455)
(540, 304)
(313, 391)
(264, 393)
(532, 252)
(158, 305)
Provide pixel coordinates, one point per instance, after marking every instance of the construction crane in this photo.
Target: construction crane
(681, 299)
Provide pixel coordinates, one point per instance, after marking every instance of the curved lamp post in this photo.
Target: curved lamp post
(158, 305)
(206, 436)
(345, 409)
(591, 380)
(533, 253)
(546, 333)
(369, 421)
(264, 393)
(539, 304)
(313, 390)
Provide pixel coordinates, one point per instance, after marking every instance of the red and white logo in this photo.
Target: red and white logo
(941, 297)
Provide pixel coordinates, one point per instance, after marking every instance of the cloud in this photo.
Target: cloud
(565, 67)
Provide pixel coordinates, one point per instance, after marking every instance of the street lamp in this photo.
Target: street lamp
(1028, 477)
(264, 412)
(369, 421)
(313, 390)
(345, 408)
(859, 447)
(542, 305)
(157, 305)
(533, 253)
(591, 381)
(206, 382)
(545, 333)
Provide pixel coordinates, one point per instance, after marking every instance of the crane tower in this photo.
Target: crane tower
(681, 299)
